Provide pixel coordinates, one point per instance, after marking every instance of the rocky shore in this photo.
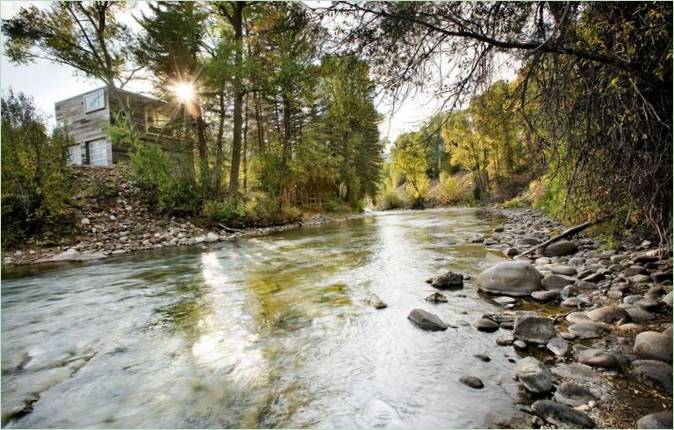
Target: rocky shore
(111, 219)
(592, 327)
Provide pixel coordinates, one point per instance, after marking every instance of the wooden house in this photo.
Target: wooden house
(86, 118)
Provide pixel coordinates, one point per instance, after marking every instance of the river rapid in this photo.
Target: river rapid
(271, 331)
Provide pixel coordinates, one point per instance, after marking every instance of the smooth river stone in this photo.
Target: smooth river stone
(563, 270)
(487, 325)
(511, 278)
(561, 415)
(658, 420)
(608, 314)
(654, 373)
(598, 358)
(426, 320)
(535, 377)
(555, 282)
(572, 394)
(558, 346)
(653, 345)
(560, 248)
(589, 330)
(472, 382)
(534, 329)
(545, 296)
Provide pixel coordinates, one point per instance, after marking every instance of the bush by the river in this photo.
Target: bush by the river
(35, 182)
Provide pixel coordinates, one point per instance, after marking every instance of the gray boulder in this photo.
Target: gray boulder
(572, 394)
(534, 329)
(437, 298)
(658, 420)
(426, 320)
(558, 346)
(535, 377)
(512, 278)
(598, 358)
(589, 330)
(555, 282)
(560, 248)
(561, 415)
(608, 314)
(577, 317)
(563, 270)
(545, 296)
(447, 281)
(639, 315)
(485, 324)
(652, 372)
(653, 345)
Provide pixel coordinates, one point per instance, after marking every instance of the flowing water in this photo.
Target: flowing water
(271, 331)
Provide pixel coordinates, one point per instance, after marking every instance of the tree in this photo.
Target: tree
(34, 178)
(599, 72)
(409, 158)
(170, 48)
(233, 12)
(350, 122)
(84, 35)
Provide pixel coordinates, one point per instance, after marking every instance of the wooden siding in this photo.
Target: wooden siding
(85, 127)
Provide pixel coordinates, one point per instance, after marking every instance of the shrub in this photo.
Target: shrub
(35, 181)
(150, 172)
(390, 200)
(450, 189)
(229, 211)
(180, 196)
(290, 214)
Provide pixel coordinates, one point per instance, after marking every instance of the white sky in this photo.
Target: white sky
(48, 83)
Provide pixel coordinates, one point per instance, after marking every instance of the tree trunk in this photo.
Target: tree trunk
(245, 145)
(237, 23)
(258, 121)
(203, 147)
(220, 154)
(286, 140)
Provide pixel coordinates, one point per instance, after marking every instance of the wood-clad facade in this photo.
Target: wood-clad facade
(86, 117)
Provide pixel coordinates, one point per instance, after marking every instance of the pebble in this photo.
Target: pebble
(486, 325)
(472, 382)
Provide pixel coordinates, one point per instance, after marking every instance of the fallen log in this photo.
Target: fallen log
(566, 234)
(230, 229)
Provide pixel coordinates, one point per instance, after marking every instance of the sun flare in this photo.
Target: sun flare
(184, 91)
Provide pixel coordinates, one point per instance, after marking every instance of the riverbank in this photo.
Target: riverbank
(593, 334)
(111, 219)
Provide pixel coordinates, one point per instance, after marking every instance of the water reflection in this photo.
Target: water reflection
(267, 332)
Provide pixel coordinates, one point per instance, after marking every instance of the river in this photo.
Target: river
(270, 331)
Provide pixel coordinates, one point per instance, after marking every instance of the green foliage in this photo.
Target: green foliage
(452, 190)
(228, 212)
(409, 159)
(150, 172)
(84, 35)
(390, 200)
(255, 209)
(35, 183)
(180, 196)
(166, 187)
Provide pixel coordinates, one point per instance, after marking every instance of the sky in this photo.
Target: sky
(48, 83)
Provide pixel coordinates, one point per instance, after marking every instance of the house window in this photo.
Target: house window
(155, 120)
(99, 152)
(94, 102)
(75, 155)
